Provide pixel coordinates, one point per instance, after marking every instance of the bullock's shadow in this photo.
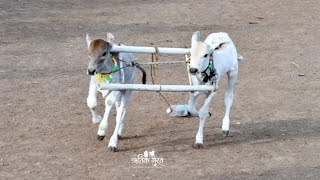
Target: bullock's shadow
(259, 132)
(252, 133)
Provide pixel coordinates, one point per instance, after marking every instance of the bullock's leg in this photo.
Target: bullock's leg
(117, 103)
(119, 121)
(92, 101)
(203, 116)
(126, 95)
(228, 100)
(192, 103)
(109, 101)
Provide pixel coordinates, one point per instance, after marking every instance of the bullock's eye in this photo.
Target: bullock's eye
(104, 54)
(206, 55)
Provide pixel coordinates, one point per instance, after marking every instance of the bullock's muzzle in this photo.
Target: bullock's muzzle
(91, 73)
(193, 70)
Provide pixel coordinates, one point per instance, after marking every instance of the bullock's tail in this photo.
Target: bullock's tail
(240, 57)
(144, 74)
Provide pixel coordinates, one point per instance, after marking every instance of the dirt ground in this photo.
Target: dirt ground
(45, 125)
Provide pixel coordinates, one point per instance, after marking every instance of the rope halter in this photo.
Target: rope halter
(101, 77)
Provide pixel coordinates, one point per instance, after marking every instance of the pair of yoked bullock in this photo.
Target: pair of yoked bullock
(217, 46)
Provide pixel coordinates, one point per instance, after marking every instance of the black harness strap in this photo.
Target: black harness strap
(127, 64)
(212, 72)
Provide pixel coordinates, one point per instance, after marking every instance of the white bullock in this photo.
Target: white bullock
(209, 62)
(105, 67)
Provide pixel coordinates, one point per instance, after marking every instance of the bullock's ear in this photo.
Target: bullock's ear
(88, 38)
(195, 38)
(110, 38)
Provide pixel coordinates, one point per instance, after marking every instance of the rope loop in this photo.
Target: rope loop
(154, 67)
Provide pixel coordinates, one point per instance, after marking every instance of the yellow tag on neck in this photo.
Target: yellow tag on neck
(99, 78)
(104, 77)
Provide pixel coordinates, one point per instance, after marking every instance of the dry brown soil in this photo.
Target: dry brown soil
(45, 125)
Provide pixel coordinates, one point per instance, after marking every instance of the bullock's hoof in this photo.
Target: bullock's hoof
(100, 138)
(119, 137)
(112, 149)
(197, 146)
(225, 133)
